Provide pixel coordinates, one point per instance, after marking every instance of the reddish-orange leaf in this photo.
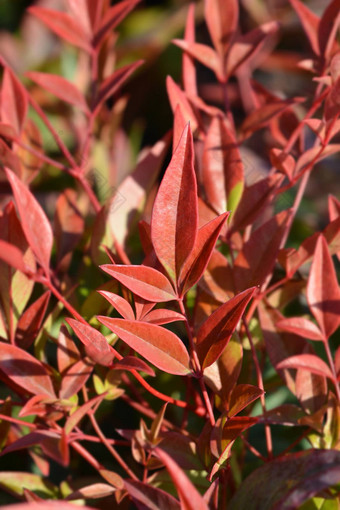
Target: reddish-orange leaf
(190, 498)
(256, 260)
(30, 321)
(63, 25)
(333, 207)
(10, 254)
(328, 26)
(310, 23)
(67, 353)
(34, 222)
(175, 212)
(144, 281)
(215, 332)
(222, 168)
(161, 316)
(25, 370)
(158, 345)
(79, 414)
(302, 327)
(198, 259)
(133, 363)
(80, 12)
(111, 84)
(204, 54)
(60, 87)
(112, 18)
(188, 65)
(14, 102)
(120, 304)
(95, 343)
(221, 18)
(323, 292)
(75, 378)
(241, 396)
(179, 100)
(150, 497)
(309, 362)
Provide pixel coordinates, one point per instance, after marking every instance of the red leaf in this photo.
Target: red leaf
(45, 505)
(323, 292)
(241, 396)
(150, 497)
(309, 362)
(144, 281)
(198, 259)
(80, 12)
(188, 494)
(60, 87)
(25, 370)
(114, 82)
(73, 420)
(178, 99)
(294, 479)
(175, 211)
(188, 66)
(95, 343)
(14, 103)
(34, 222)
(63, 25)
(215, 332)
(158, 345)
(112, 18)
(30, 321)
(245, 46)
(120, 304)
(93, 491)
(222, 168)
(161, 316)
(256, 260)
(302, 327)
(221, 18)
(10, 254)
(67, 353)
(75, 378)
(283, 162)
(133, 363)
(9, 159)
(204, 54)
(328, 26)
(333, 207)
(310, 23)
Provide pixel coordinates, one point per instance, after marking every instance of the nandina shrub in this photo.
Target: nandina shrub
(168, 320)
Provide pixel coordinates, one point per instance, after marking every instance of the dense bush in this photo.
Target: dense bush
(170, 307)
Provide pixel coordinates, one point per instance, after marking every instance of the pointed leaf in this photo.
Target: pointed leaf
(294, 479)
(114, 82)
(63, 25)
(310, 23)
(13, 257)
(175, 211)
(256, 260)
(113, 16)
(241, 396)
(158, 345)
(309, 362)
(215, 332)
(14, 104)
(144, 281)
(323, 292)
(302, 327)
(60, 87)
(222, 19)
(120, 304)
(25, 370)
(179, 100)
(188, 65)
(198, 259)
(30, 321)
(133, 363)
(75, 378)
(188, 494)
(161, 316)
(16, 481)
(73, 420)
(95, 343)
(328, 26)
(93, 491)
(150, 497)
(222, 168)
(34, 222)
(67, 353)
(204, 54)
